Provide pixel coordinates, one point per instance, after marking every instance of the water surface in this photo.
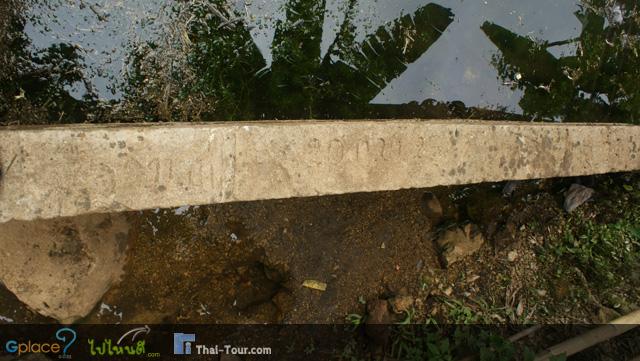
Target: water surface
(226, 60)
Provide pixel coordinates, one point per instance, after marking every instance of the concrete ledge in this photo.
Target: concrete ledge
(71, 170)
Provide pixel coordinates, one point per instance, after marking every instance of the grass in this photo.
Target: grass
(354, 320)
(460, 313)
(587, 260)
(408, 316)
(604, 252)
(476, 312)
(594, 253)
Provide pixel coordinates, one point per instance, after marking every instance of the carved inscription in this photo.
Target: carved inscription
(360, 149)
(390, 148)
(313, 148)
(336, 151)
(211, 170)
(164, 170)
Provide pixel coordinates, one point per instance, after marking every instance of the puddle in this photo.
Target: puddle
(93, 60)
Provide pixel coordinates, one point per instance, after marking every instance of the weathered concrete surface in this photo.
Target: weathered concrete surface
(62, 267)
(65, 171)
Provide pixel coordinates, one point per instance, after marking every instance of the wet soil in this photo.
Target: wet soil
(246, 262)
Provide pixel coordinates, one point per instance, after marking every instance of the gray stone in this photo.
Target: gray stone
(509, 188)
(576, 196)
(457, 243)
(62, 267)
(78, 169)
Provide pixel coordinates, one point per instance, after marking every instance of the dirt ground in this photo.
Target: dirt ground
(246, 262)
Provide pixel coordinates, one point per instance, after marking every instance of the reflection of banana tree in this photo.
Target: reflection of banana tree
(598, 83)
(299, 83)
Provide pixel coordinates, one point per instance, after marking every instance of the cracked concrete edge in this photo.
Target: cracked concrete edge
(70, 170)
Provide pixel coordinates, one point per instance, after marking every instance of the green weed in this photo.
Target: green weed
(604, 252)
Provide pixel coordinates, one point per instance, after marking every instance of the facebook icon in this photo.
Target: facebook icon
(182, 343)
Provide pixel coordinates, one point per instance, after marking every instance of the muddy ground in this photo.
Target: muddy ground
(246, 262)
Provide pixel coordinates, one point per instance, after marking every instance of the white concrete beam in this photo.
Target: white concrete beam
(77, 169)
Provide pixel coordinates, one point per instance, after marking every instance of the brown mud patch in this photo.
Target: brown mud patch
(246, 262)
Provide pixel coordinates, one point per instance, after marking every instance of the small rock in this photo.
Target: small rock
(509, 188)
(400, 304)
(432, 207)
(458, 243)
(512, 256)
(576, 196)
(541, 293)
